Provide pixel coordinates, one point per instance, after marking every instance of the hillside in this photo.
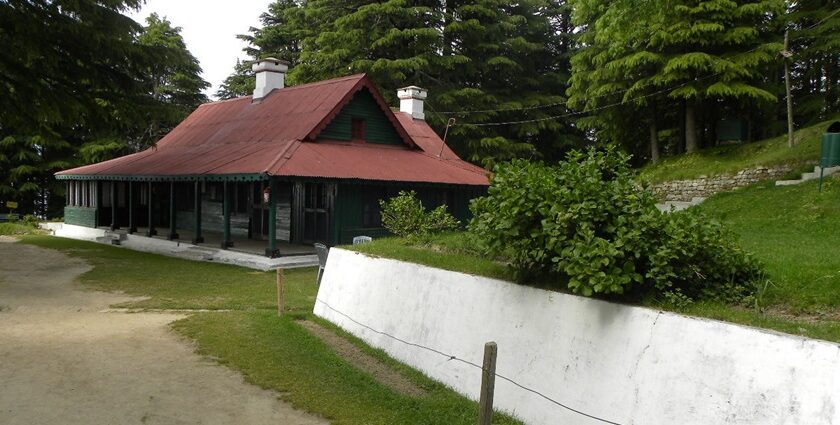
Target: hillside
(730, 159)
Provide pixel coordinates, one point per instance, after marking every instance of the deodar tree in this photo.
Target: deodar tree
(472, 56)
(659, 56)
(77, 85)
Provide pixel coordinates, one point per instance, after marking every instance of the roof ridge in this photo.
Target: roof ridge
(289, 88)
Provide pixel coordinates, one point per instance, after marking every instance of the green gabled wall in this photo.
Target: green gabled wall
(80, 216)
(378, 129)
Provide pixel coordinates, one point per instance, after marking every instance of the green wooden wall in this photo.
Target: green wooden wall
(80, 216)
(348, 217)
(377, 127)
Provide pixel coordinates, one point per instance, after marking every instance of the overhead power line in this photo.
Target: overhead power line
(822, 21)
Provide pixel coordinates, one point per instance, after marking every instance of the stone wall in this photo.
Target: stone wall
(685, 190)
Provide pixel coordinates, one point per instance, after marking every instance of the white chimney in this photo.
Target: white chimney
(411, 101)
(271, 74)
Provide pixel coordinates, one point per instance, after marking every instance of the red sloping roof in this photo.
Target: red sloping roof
(368, 161)
(274, 137)
(424, 136)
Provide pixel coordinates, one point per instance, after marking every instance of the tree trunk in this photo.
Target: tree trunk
(680, 146)
(654, 143)
(690, 128)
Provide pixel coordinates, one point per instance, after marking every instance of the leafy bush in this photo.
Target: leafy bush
(405, 216)
(30, 220)
(587, 222)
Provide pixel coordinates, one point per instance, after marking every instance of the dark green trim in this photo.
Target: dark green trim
(377, 182)
(186, 177)
(259, 177)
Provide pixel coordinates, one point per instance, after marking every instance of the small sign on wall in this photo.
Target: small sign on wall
(12, 205)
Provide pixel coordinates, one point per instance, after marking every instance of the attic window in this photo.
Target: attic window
(357, 129)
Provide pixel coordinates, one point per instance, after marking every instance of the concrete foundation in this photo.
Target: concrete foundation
(181, 249)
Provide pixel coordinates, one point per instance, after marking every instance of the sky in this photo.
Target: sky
(209, 28)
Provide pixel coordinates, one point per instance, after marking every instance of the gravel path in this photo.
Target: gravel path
(64, 360)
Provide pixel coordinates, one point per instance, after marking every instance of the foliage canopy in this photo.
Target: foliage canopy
(587, 221)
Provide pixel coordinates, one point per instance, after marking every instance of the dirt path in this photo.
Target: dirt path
(64, 361)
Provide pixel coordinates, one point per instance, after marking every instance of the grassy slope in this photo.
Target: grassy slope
(732, 158)
(270, 351)
(795, 232)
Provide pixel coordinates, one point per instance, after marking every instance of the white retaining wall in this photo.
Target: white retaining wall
(629, 365)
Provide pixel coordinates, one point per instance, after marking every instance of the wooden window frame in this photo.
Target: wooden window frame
(357, 129)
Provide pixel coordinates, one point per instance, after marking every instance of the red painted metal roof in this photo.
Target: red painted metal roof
(279, 136)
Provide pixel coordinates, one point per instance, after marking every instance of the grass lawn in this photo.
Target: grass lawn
(449, 251)
(270, 351)
(795, 232)
(172, 283)
(16, 229)
(733, 158)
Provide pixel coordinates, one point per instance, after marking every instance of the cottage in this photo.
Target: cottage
(287, 165)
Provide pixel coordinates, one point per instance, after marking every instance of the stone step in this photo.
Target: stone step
(109, 240)
(809, 176)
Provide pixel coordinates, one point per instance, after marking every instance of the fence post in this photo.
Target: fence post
(488, 383)
(281, 296)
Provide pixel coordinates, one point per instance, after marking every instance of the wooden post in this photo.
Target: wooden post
(488, 384)
(113, 195)
(132, 223)
(197, 238)
(785, 57)
(271, 250)
(151, 231)
(281, 292)
(226, 216)
(173, 216)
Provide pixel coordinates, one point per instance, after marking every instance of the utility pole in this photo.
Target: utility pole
(786, 55)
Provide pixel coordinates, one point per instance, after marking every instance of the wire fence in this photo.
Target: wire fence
(451, 357)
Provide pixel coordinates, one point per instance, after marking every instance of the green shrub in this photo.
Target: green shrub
(30, 220)
(588, 223)
(405, 216)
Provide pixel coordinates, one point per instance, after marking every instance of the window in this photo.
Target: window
(358, 129)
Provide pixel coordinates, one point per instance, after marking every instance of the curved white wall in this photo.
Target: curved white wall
(626, 364)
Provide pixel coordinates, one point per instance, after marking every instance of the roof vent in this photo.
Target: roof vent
(411, 101)
(271, 74)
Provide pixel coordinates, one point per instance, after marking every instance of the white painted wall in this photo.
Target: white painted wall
(627, 364)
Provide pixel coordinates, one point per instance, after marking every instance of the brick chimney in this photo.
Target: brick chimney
(271, 74)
